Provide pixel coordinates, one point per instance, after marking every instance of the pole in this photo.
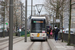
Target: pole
(25, 20)
(62, 19)
(11, 25)
(4, 20)
(16, 23)
(53, 22)
(31, 6)
(21, 16)
(69, 24)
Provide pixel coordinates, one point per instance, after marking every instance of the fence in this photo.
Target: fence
(6, 34)
(65, 37)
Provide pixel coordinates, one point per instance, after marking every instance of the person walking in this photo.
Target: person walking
(48, 31)
(55, 31)
(51, 33)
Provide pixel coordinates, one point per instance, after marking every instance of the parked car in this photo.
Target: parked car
(67, 31)
(1, 30)
(61, 31)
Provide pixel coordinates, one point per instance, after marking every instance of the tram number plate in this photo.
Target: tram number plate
(38, 34)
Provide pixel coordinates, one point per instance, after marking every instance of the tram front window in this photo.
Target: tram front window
(37, 26)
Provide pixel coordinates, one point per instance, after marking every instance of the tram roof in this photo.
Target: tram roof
(38, 17)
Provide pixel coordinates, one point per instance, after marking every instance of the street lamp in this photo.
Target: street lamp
(25, 20)
(31, 6)
(11, 25)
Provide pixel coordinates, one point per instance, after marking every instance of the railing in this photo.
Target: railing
(65, 37)
(6, 34)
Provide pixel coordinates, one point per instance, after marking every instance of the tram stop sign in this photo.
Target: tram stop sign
(6, 23)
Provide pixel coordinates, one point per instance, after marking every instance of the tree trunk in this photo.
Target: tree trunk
(69, 24)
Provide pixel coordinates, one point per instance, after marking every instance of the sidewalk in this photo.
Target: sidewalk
(58, 45)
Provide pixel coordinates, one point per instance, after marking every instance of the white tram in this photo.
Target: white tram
(38, 28)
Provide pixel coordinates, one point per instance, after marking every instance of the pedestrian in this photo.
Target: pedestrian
(55, 31)
(48, 31)
(51, 33)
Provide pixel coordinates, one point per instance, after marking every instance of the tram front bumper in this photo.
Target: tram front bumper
(38, 38)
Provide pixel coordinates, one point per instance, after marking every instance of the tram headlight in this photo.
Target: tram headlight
(32, 34)
(42, 34)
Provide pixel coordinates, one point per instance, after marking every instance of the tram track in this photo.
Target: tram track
(6, 41)
(41, 45)
(49, 45)
(41, 48)
(14, 42)
(35, 45)
(30, 46)
(45, 46)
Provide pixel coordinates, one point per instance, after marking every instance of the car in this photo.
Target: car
(61, 31)
(71, 32)
(67, 31)
(1, 30)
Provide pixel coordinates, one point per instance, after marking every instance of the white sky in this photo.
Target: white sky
(34, 3)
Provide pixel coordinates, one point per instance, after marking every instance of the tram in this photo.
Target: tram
(38, 28)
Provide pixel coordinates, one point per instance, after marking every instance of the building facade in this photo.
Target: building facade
(6, 13)
(66, 15)
(73, 14)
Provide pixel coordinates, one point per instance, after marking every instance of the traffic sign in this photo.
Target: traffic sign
(6, 23)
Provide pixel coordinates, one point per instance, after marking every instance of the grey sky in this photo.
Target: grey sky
(34, 3)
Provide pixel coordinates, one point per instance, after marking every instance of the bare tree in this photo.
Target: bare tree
(17, 14)
(59, 7)
(3, 4)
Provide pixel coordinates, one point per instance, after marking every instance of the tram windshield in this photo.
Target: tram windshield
(37, 25)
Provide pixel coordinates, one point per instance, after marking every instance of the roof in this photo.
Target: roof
(38, 17)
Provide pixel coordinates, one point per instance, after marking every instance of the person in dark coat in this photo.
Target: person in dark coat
(48, 32)
(55, 31)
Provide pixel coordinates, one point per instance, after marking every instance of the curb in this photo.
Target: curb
(49, 45)
(54, 45)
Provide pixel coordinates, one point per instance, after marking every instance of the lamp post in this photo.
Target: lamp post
(4, 20)
(31, 6)
(53, 18)
(25, 20)
(11, 25)
(21, 14)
